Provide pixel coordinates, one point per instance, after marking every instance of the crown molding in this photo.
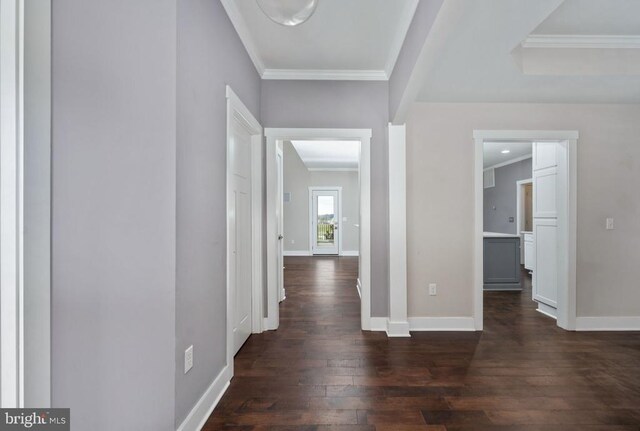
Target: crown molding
(326, 75)
(243, 32)
(401, 34)
(581, 41)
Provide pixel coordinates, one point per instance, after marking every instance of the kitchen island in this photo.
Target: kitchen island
(502, 261)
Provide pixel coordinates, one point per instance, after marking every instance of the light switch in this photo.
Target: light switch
(610, 223)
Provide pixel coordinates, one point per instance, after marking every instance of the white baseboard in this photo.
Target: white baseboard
(442, 324)
(296, 253)
(350, 253)
(547, 310)
(202, 410)
(398, 329)
(378, 323)
(268, 325)
(359, 287)
(608, 323)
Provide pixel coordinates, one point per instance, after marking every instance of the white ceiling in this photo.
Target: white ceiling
(328, 155)
(493, 152)
(473, 57)
(593, 17)
(354, 39)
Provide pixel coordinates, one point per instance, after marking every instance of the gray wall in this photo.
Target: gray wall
(421, 24)
(504, 197)
(37, 202)
(440, 165)
(114, 213)
(297, 180)
(344, 104)
(210, 55)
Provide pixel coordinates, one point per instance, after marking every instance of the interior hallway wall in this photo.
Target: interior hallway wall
(344, 104)
(114, 212)
(440, 200)
(297, 180)
(210, 56)
(504, 197)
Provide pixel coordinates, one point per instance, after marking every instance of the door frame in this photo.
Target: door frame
(311, 233)
(273, 135)
(12, 316)
(567, 217)
(520, 212)
(238, 111)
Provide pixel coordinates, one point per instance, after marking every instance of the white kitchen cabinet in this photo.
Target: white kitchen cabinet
(529, 251)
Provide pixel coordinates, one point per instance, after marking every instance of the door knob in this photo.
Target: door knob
(280, 237)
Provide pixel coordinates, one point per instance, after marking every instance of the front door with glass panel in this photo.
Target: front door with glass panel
(325, 215)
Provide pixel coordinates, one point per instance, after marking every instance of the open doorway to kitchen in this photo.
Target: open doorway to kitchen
(525, 251)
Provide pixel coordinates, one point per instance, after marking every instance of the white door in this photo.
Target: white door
(240, 232)
(545, 223)
(280, 221)
(325, 214)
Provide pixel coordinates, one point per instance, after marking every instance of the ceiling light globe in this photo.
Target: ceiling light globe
(288, 12)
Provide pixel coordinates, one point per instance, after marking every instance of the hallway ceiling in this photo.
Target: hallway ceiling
(479, 52)
(328, 155)
(354, 39)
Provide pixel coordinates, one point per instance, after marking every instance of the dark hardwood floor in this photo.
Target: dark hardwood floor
(319, 372)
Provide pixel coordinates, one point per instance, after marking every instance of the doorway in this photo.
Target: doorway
(323, 236)
(553, 168)
(325, 205)
(244, 233)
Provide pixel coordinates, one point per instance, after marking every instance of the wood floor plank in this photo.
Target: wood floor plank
(320, 372)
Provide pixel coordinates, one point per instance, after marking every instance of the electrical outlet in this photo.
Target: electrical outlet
(188, 359)
(610, 223)
(433, 289)
(293, 241)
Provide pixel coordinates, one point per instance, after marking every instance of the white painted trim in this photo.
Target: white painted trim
(567, 140)
(398, 39)
(608, 323)
(325, 75)
(520, 213)
(243, 32)
(509, 162)
(197, 417)
(398, 324)
(547, 310)
(525, 135)
(581, 41)
(354, 253)
(442, 324)
(378, 324)
(312, 238)
(296, 253)
(397, 329)
(274, 135)
(332, 169)
(236, 110)
(11, 203)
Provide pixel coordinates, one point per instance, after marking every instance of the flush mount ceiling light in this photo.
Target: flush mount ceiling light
(505, 151)
(288, 12)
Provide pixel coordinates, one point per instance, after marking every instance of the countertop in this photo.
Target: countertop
(499, 235)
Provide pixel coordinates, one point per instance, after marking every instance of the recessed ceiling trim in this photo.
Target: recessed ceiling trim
(401, 34)
(582, 41)
(243, 32)
(327, 75)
